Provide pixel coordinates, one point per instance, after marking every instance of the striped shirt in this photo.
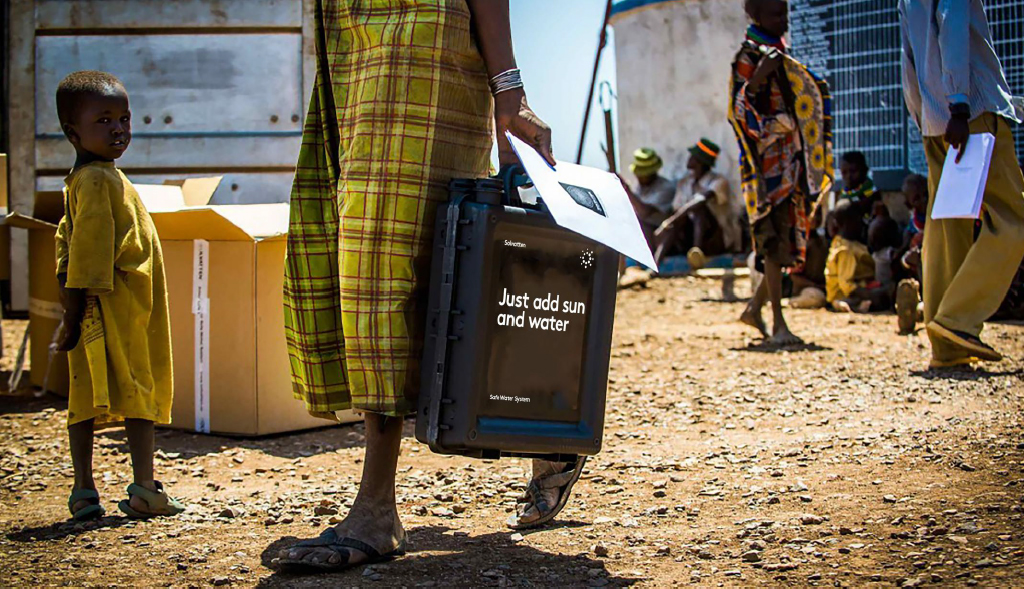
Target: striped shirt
(948, 58)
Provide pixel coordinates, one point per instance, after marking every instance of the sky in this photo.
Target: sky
(555, 43)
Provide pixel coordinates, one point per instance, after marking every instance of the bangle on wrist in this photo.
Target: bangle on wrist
(505, 81)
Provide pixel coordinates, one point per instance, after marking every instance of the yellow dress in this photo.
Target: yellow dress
(849, 266)
(107, 245)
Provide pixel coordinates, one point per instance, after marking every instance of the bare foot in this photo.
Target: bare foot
(842, 306)
(755, 320)
(379, 528)
(784, 337)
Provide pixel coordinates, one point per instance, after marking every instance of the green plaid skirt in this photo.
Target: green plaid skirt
(400, 106)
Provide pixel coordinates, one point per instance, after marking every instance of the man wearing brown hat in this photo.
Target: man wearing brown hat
(707, 218)
(653, 194)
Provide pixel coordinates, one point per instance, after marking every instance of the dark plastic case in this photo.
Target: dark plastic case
(501, 378)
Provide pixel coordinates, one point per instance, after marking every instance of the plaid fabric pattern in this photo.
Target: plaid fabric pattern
(784, 136)
(400, 106)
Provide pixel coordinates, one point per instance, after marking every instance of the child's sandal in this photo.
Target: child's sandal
(92, 511)
(158, 502)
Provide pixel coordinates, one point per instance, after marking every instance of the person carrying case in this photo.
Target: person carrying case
(519, 329)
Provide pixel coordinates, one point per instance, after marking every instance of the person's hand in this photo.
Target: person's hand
(512, 113)
(770, 62)
(70, 333)
(958, 130)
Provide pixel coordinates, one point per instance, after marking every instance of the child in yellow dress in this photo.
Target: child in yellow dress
(116, 328)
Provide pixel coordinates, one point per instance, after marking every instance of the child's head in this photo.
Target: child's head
(831, 225)
(884, 232)
(853, 166)
(771, 15)
(93, 111)
(849, 221)
(915, 189)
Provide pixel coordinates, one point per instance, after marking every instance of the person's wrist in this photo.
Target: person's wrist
(960, 110)
(510, 102)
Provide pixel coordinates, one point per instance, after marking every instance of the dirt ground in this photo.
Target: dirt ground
(844, 463)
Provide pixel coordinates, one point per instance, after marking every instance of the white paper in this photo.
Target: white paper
(962, 186)
(607, 217)
(201, 310)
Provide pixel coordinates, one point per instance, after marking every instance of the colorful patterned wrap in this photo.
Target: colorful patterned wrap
(785, 140)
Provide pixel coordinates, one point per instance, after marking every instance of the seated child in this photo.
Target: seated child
(116, 328)
(850, 269)
(884, 241)
(908, 291)
(858, 188)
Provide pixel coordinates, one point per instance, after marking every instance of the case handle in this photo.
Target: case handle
(513, 176)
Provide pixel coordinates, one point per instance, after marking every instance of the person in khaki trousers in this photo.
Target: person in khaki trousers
(954, 87)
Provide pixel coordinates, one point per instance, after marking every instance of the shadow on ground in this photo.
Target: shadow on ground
(964, 373)
(459, 561)
(766, 347)
(65, 529)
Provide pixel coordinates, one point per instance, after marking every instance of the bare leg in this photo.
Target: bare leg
(780, 331)
(752, 314)
(141, 447)
(373, 518)
(80, 438)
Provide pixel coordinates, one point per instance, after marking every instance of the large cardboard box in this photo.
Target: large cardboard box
(44, 309)
(5, 232)
(225, 276)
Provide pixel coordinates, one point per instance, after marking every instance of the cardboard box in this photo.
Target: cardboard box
(246, 385)
(225, 276)
(44, 309)
(5, 232)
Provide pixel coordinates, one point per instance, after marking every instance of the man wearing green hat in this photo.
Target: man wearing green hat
(653, 194)
(707, 218)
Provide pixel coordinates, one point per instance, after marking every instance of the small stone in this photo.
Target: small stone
(733, 573)
(751, 556)
(517, 537)
(600, 550)
(809, 519)
(659, 493)
(323, 510)
(983, 563)
(889, 499)
(230, 513)
(806, 498)
(220, 581)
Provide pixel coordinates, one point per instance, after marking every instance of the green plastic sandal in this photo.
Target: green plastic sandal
(160, 503)
(92, 511)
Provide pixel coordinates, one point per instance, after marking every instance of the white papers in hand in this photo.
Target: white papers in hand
(587, 201)
(962, 186)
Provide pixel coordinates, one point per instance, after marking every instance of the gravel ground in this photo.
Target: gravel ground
(842, 463)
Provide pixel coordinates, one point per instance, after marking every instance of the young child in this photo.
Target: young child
(858, 187)
(884, 241)
(116, 329)
(850, 270)
(908, 292)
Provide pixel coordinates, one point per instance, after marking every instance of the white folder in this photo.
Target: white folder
(962, 186)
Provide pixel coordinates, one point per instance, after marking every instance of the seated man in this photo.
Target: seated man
(858, 188)
(707, 218)
(652, 196)
(850, 271)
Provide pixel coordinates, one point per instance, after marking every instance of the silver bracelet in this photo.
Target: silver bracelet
(505, 81)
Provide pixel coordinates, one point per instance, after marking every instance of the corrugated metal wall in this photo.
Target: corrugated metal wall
(216, 87)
